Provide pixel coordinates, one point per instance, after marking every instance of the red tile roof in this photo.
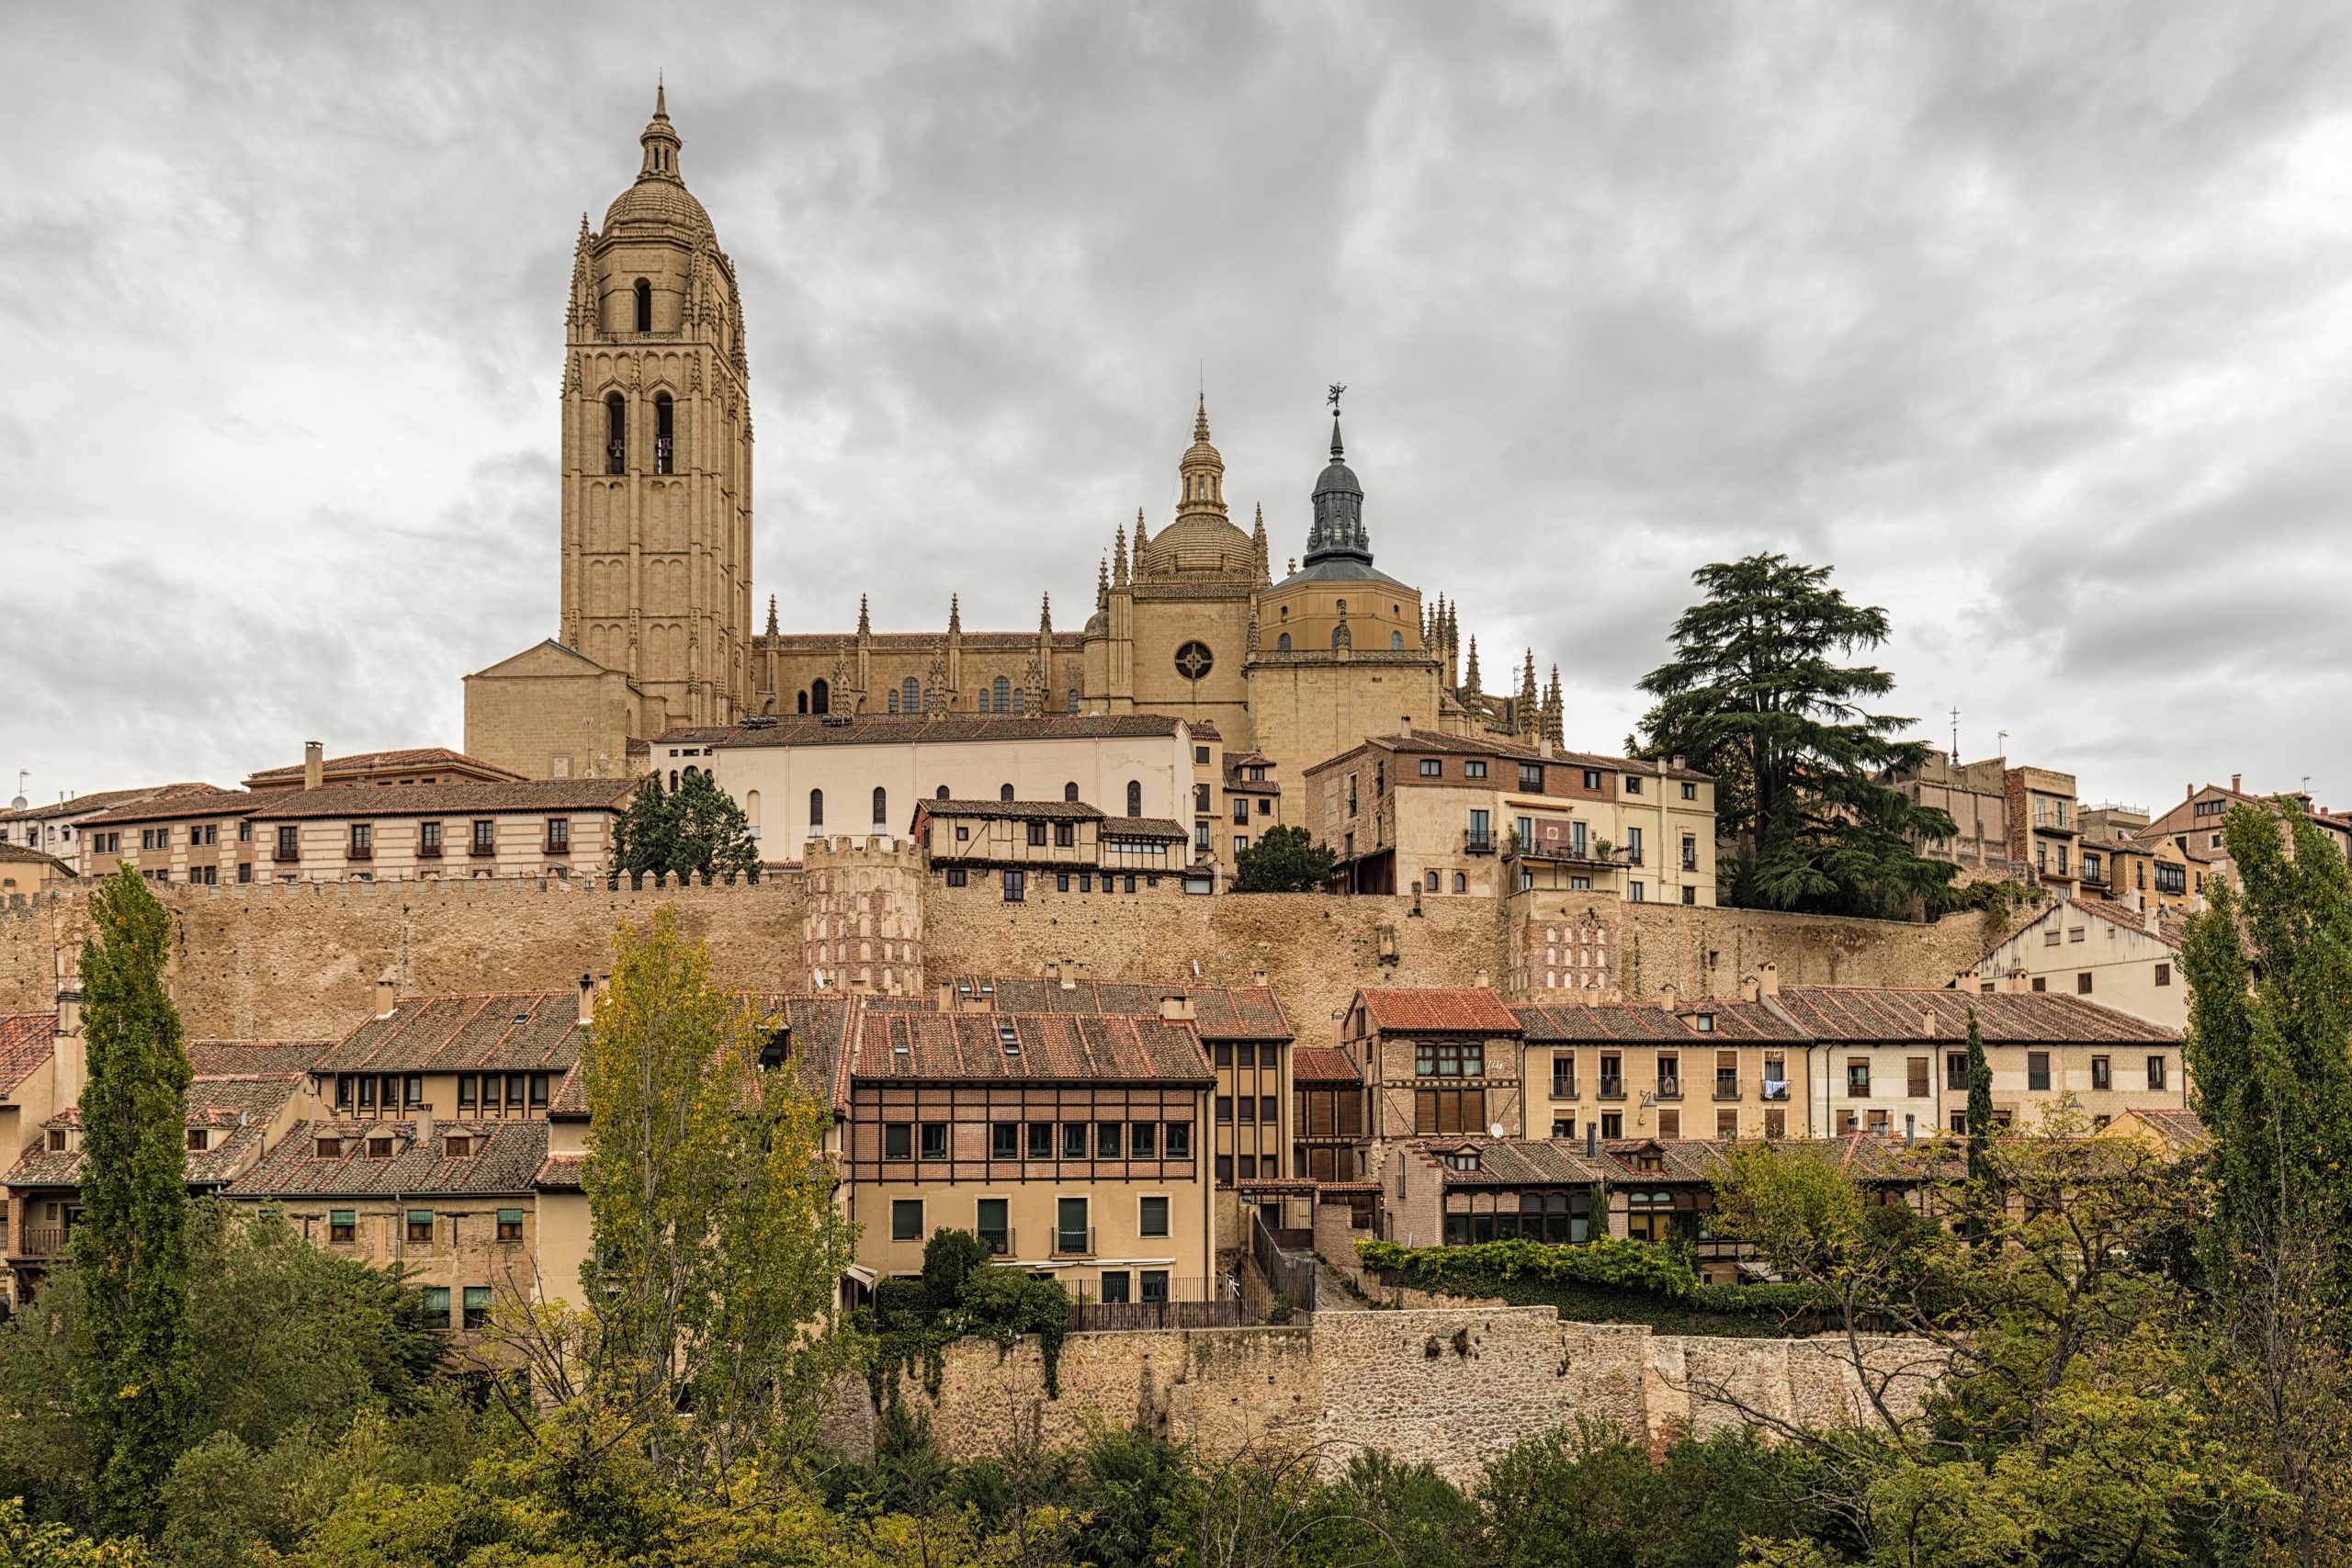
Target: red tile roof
(1863, 1015)
(1323, 1063)
(26, 1041)
(2168, 926)
(1053, 1048)
(1512, 1162)
(507, 1031)
(1467, 1009)
(1043, 810)
(366, 762)
(1439, 743)
(1734, 1022)
(414, 800)
(1219, 1013)
(506, 1157)
(105, 799)
(235, 1058)
(195, 800)
(866, 730)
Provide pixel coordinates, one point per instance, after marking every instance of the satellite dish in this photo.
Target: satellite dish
(1494, 1128)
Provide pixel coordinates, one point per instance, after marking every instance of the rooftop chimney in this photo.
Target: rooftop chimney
(388, 991)
(1768, 979)
(69, 1062)
(2234, 779)
(314, 767)
(1069, 974)
(1928, 1025)
(1910, 1129)
(425, 1127)
(1750, 988)
(1257, 976)
(1480, 980)
(587, 1001)
(1666, 997)
(1592, 1138)
(1176, 1008)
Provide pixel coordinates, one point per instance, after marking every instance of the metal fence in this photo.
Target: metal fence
(1284, 1274)
(1188, 1304)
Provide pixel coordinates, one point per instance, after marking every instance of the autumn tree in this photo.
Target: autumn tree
(137, 1382)
(719, 1252)
(1758, 694)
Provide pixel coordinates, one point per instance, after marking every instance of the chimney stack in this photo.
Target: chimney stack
(1666, 997)
(388, 991)
(1768, 978)
(1750, 988)
(1176, 1008)
(1069, 974)
(2235, 780)
(1910, 1129)
(1480, 980)
(314, 768)
(587, 1001)
(425, 1127)
(1257, 976)
(1592, 1137)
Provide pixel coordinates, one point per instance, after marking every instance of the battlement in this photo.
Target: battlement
(778, 884)
(862, 919)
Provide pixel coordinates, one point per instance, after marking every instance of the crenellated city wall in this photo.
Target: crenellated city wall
(1453, 1387)
(301, 962)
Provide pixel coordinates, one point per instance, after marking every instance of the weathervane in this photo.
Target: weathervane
(1332, 397)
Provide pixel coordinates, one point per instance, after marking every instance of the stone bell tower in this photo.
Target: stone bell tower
(657, 450)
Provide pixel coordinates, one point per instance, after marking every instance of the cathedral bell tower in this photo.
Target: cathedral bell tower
(657, 450)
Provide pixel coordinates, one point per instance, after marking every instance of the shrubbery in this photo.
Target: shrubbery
(1608, 1280)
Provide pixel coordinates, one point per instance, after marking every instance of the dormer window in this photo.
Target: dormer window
(1463, 1160)
(379, 1148)
(457, 1145)
(198, 1139)
(1704, 1023)
(57, 1140)
(773, 1049)
(330, 1148)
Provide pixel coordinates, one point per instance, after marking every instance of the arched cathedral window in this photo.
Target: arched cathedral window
(615, 435)
(1135, 798)
(820, 695)
(1281, 643)
(664, 435)
(1004, 792)
(910, 696)
(816, 808)
(894, 700)
(1003, 690)
(881, 806)
(1395, 642)
(1073, 699)
(644, 306)
(803, 700)
(1069, 790)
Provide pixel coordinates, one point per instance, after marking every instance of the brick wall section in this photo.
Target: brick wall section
(1456, 1386)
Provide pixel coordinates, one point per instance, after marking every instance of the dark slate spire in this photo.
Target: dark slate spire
(1337, 533)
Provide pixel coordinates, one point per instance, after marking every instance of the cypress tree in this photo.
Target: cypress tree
(137, 1379)
(1979, 1122)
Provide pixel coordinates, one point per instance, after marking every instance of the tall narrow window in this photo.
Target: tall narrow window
(615, 435)
(816, 808)
(1135, 798)
(1069, 791)
(664, 431)
(644, 306)
(909, 695)
(881, 805)
(820, 695)
(1003, 690)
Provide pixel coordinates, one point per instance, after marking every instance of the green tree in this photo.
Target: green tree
(719, 1248)
(1284, 859)
(2270, 970)
(695, 830)
(1756, 692)
(137, 1385)
(1983, 1194)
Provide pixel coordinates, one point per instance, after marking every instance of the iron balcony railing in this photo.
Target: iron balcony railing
(1727, 1085)
(1476, 843)
(1612, 1087)
(1073, 1243)
(1669, 1087)
(1564, 1088)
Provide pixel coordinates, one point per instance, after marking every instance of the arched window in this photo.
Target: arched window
(820, 695)
(1073, 699)
(881, 806)
(909, 695)
(804, 702)
(1135, 798)
(1201, 797)
(1020, 701)
(751, 811)
(984, 699)
(673, 781)
(816, 808)
(943, 792)
(644, 306)
(664, 433)
(1003, 690)
(1433, 882)
(1069, 790)
(615, 435)
(1395, 642)
(1461, 883)
(894, 699)
(1004, 792)
(1281, 643)
(1339, 635)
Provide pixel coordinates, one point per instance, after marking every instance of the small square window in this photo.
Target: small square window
(342, 1226)
(477, 1306)
(1074, 1140)
(420, 1226)
(1690, 791)
(1109, 1138)
(1178, 1136)
(1041, 1140)
(1004, 1140)
(1143, 1141)
(935, 1140)
(1152, 1218)
(906, 1219)
(510, 1224)
(436, 1305)
(897, 1140)
(1432, 768)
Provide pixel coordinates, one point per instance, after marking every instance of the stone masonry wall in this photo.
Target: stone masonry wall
(300, 963)
(1456, 1386)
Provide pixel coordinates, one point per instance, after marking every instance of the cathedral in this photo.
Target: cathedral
(656, 576)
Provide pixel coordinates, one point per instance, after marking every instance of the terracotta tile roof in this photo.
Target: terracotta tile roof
(820, 1047)
(1055, 1048)
(867, 730)
(2177, 1131)
(237, 1058)
(1323, 1063)
(18, 854)
(920, 642)
(1219, 1013)
(561, 1173)
(1151, 830)
(1863, 1015)
(570, 1103)
(507, 1157)
(1040, 810)
(366, 762)
(424, 800)
(1512, 1162)
(26, 1041)
(105, 799)
(2168, 926)
(1440, 744)
(1735, 1022)
(236, 1110)
(199, 800)
(1469, 1010)
(510, 1031)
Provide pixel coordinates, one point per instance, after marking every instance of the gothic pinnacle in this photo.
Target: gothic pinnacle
(771, 614)
(955, 618)
(1046, 617)
(864, 626)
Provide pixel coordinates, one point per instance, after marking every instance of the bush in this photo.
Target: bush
(1604, 1281)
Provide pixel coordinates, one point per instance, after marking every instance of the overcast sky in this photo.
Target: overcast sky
(2034, 320)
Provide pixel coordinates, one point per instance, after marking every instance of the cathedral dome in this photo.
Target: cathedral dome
(659, 201)
(1198, 543)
